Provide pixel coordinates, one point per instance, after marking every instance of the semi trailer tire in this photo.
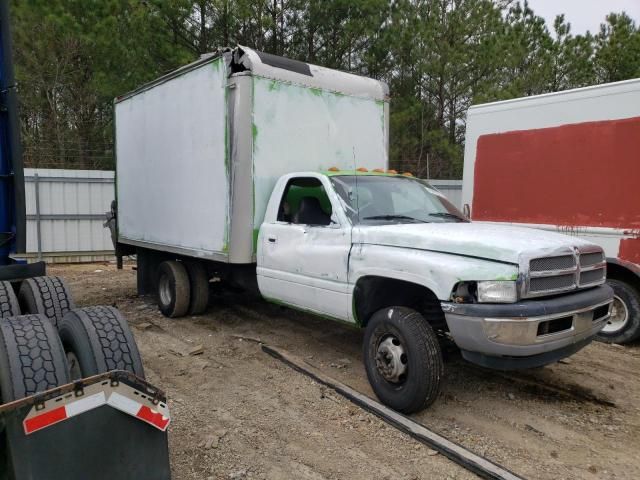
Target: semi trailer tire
(174, 290)
(403, 359)
(32, 359)
(623, 325)
(9, 306)
(98, 340)
(199, 286)
(48, 296)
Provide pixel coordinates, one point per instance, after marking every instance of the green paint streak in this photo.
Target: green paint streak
(274, 85)
(256, 232)
(254, 132)
(505, 279)
(315, 91)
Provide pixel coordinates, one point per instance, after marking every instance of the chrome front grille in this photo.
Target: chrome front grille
(591, 259)
(593, 269)
(564, 272)
(560, 262)
(592, 276)
(557, 282)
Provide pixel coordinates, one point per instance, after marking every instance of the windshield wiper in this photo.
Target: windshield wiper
(448, 215)
(394, 217)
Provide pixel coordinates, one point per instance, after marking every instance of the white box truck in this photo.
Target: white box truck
(272, 174)
(566, 162)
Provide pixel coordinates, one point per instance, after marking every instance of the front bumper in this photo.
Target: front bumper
(531, 332)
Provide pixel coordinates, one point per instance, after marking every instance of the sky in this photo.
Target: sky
(584, 14)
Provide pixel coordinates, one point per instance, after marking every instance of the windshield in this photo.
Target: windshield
(373, 199)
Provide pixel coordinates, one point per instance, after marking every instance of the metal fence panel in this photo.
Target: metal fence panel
(65, 213)
(452, 189)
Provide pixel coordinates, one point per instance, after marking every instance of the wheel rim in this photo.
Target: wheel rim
(164, 288)
(74, 366)
(391, 359)
(619, 316)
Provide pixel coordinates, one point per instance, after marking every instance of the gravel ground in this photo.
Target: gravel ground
(237, 413)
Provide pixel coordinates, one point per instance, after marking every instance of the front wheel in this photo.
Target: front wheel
(403, 359)
(623, 325)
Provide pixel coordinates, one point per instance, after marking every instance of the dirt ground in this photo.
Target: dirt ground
(238, 413)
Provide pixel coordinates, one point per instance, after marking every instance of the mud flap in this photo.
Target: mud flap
(104, 427)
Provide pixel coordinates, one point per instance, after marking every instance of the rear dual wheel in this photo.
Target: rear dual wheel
(183, 288)
(98, 340)
(49, 296)
(32, 359)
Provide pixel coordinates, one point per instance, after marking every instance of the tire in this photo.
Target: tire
(32, 359)
(98, 340)
(624, 324)
(174, 291)
(397, 331)
(199, 285)
(48, 296)
(9, 306)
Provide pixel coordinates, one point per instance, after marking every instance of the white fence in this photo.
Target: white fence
(452, 189)
(66, 211)
(65, 214)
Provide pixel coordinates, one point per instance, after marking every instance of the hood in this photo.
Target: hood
(501, 243)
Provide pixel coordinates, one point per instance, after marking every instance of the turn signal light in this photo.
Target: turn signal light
(334, 169)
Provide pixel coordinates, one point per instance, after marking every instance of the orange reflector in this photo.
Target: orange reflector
(362, 169)
(378, 170)
(334, 169)
(408, 174)
(392, 172)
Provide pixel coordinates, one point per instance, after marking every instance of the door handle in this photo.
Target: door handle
(272, 239)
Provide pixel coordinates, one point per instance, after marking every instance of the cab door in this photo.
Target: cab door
(303, 251)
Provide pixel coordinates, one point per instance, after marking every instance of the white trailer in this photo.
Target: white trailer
(271, 174)
(566, 162)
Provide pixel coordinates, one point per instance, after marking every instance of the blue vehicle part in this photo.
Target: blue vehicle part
(12, 208)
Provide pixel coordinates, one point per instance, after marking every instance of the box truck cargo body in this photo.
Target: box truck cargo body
(199, 151)
(566, 162)
(272, 175)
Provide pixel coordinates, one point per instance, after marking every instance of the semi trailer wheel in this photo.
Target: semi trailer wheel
(32, 359)
(174, 290)
(403, 359)
(199, 286)
(623, 325)
(9, 306)
(98, 340)
(49, 296)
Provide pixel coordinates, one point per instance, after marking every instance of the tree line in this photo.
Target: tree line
(72, 57)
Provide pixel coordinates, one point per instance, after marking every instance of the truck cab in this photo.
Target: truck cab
(362, 247)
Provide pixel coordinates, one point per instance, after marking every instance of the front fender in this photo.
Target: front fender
(439, 272)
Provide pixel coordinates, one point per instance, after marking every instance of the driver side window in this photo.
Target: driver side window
(305, 202)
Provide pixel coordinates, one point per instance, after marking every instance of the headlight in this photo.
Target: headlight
(497, 292)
